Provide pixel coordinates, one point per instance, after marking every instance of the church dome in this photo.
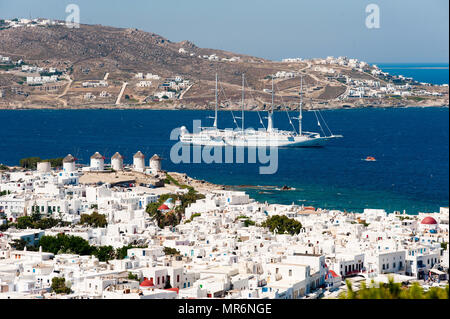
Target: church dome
(429, 221)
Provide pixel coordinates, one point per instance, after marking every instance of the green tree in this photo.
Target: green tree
(249, 222)
(105, 253)
(19, 244)
(95, 219)
(59, 286)
(121, 253)
(174, 217)
(35, 215)
(4, 226)
(171, 251)
(35, 221)
(66, 244)
(283, 225)
(171, 219)
(24, 222)
(55, 162)
(45, 223)
(29, 162)
(133, 276)
(155, 213)
(195, 215)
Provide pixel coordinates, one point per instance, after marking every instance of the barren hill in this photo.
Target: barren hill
(95, 52)
(128, 50)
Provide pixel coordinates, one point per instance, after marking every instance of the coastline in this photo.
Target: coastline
(340, 196)
(205, 187)
(176, 107)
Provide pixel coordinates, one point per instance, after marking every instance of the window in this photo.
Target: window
(276, 270)
(290, 272)
(178, 278)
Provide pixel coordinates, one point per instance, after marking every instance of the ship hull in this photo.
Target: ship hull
(255, 141)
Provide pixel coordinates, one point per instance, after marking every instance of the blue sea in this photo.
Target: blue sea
(411, 146)
(434, 73)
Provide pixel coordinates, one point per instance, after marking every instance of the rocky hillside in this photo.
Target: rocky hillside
(95, 52)
(111, 49)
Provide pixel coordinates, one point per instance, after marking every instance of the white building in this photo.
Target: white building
(143, 84)
(68, 175)
(139, 162)
(155, 164)
(97, 162)
(117, 162)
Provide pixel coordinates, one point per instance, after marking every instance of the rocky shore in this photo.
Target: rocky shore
(332, 105)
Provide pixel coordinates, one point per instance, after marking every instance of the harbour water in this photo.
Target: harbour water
(411, 146)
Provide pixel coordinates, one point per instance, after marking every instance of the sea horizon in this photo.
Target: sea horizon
(428, 72)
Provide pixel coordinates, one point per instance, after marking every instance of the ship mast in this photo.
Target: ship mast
(269, 118)
(243, 98)
(300, 115)
(272, 95)
(215, 111)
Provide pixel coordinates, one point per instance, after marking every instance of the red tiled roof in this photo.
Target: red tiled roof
(163, 207)
(332, 273)
(429, 221)
(174, 289)
(147, 283)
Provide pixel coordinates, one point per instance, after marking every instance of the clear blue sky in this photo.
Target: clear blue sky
(410, 30)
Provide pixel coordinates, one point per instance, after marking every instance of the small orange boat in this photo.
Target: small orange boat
(370, 159)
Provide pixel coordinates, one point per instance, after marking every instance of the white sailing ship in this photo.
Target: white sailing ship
(267, 137)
